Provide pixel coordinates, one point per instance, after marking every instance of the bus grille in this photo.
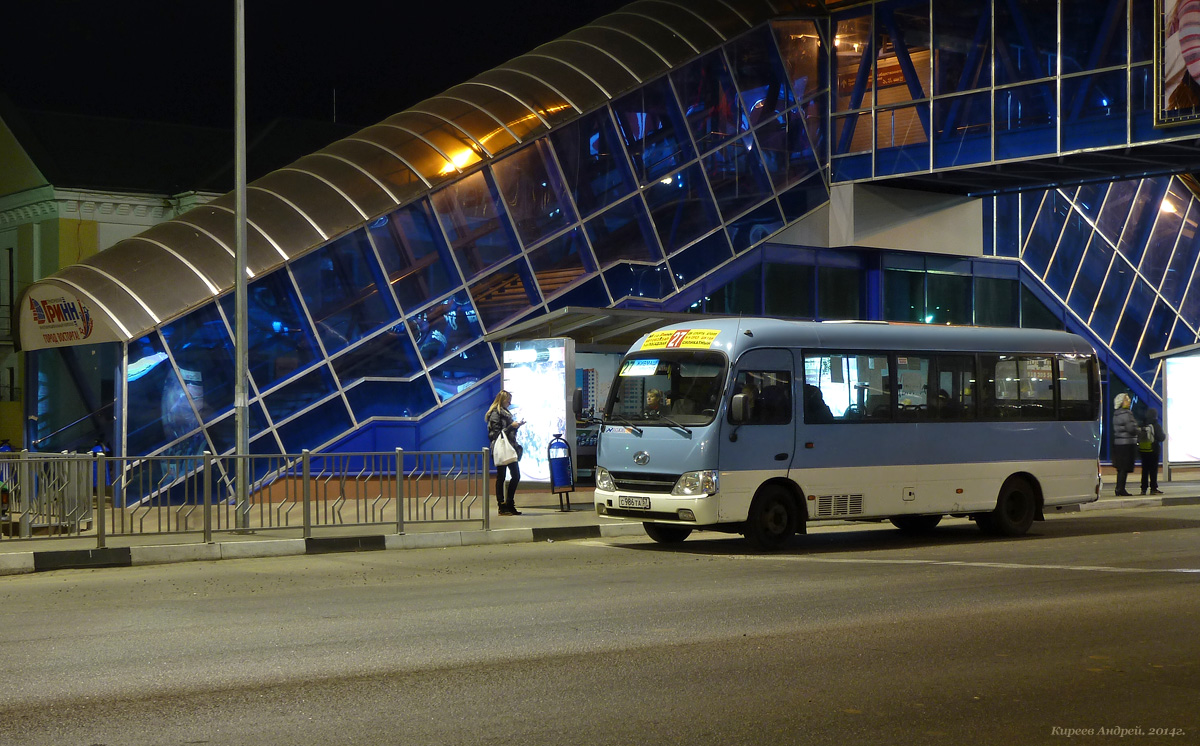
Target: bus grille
(644, 482)
(829, 506)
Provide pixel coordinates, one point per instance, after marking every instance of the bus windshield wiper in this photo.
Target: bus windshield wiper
(674, 423)
(619, 419)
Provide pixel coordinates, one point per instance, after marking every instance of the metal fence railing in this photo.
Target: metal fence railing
(193, 498)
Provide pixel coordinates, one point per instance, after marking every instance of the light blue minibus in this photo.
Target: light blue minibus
(763, 426)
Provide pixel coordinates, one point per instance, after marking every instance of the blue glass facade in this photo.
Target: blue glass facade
(666, 196)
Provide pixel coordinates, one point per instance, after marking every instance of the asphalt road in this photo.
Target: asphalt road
(854, 635)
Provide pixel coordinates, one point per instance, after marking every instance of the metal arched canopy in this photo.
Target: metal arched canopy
(168, 270)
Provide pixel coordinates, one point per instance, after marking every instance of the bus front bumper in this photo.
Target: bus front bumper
(698, 510)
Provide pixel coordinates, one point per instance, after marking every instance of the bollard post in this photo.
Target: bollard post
(207, 500)
(306, 492)
(98, 492)
(400, 491)
(484, 458)
(25, 483)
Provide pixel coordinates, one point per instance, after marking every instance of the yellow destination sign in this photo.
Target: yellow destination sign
(680, 338)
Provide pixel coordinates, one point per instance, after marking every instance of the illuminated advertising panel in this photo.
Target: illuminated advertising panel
(1183, 409)
(536, 373)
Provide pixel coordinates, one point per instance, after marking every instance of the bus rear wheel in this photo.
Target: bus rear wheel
(665, 533)
(1016, 507)
(773, 519)
(916, 524)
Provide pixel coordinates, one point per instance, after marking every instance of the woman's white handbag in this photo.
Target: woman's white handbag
(503, 452)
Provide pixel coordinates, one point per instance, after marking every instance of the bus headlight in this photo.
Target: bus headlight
(697, 483)
(604, 480)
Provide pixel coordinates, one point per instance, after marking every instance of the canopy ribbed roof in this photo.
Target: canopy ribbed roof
(178, 265)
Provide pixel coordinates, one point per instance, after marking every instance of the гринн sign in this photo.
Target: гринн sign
(61, 320)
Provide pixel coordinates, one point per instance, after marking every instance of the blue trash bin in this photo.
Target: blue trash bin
(562, 471)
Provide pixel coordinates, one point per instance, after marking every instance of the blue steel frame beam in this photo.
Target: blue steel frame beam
(1104, 40)
(865, 66)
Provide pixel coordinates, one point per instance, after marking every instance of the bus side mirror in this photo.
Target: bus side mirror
(577, 403)
(737, 409)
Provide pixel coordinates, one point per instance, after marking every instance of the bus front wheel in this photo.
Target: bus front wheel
(1015, 510)
(665, 533)
(773, 519)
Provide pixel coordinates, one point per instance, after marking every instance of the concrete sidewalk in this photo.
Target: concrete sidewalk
(541, 520)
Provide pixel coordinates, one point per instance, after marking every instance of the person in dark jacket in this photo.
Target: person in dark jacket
(1151, 452)
(1124, 440)
(500, 420)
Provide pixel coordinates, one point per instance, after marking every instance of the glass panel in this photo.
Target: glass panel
(1147, 206)
(962, 130)
(623, 232)
(414, 255)
(788, 290)
(304, 391)
(696, 261)
(341, 285)
(1093, 110)
(710, 101)
(901, 140)
(469, 213)
(72, 408)
(681, 207)
(912, 374)
(786, 150)
(223, 433)
(590, 293)
(962, 39)
(445, 328)
(755, 227)
(903, 296)
(639, 281)
(816, 125)
(1025, 40)
(1016, 388)
(560, 262)
(852, 134)
(1133, 320)
(737, 176)
(280, 339)
(1116, 209)
(1092, 271)
(1025, 121)
(1074, 388)
(1089, 199)
(389, 355)
(803, 55)
(592, 161)
(760, 77)
(839, 293)
(739, 296)
(505, 293)
(653, 129)
(1143, 14)
(1065, 264)
(903, 66)
(949, 299)
(1166, 231)
(1155, 339)
(533, 191)
(1184, 258)
(1046, 229)
(803, 198)
(391, 398)
(314, 429)
(1037, 315)
(463, 371)
(203, 351)
(157, 411)
(1093, 34)
(854, 387)
(853, 56)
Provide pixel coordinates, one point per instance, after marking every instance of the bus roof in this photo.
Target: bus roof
(734, 335)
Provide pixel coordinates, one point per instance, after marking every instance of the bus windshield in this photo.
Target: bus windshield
(667, 387)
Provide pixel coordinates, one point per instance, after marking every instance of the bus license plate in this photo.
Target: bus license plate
(628, 501)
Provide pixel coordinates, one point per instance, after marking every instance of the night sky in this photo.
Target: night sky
(173, 61)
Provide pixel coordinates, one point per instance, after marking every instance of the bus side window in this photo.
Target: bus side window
(768, 396)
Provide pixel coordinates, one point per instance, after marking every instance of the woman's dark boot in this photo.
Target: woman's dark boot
(511, 509)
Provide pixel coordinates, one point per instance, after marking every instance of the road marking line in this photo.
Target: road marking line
(959, 563)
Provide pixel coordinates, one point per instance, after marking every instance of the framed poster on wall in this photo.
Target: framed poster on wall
(1177, 62)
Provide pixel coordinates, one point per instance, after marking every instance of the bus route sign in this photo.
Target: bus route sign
(671, 339)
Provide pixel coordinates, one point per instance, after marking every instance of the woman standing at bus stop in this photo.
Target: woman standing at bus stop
(1124, 440)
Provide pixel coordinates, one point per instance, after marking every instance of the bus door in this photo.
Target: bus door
(759, 446)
